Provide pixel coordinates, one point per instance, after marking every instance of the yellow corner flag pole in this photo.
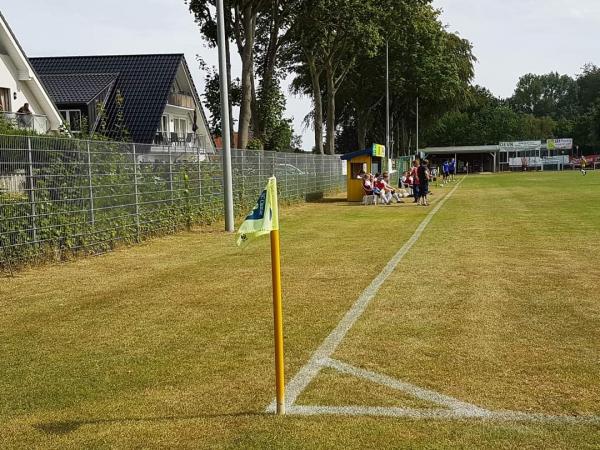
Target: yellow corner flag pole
(264, 219)
(278, 316)
(277, 307)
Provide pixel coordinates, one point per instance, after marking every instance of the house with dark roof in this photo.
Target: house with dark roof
(148, 99)
(20, 85)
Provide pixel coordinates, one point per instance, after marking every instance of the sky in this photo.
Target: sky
(513, 37)
(510, 37)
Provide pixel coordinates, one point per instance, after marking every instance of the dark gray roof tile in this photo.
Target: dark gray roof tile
(144, 81)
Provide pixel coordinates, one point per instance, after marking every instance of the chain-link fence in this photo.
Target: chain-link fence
(60, 197)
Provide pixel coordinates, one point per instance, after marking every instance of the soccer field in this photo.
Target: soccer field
(484, 333)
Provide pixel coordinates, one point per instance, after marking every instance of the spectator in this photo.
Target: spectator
(404, 181)
(390, 190)
(24, 116)
(445, 171)
(381, 189)
(415, 180)
(424, 177)
(452, 169)
(368, 184)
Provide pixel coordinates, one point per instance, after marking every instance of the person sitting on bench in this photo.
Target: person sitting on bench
(382, 189)
(390, 191)
(368, 184)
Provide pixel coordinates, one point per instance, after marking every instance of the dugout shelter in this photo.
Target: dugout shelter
(369, 160)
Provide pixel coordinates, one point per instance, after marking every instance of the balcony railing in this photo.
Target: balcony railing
(35, 122)
(182, 100)
(177, 139)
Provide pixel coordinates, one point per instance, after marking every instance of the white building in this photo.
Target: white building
(19, 84)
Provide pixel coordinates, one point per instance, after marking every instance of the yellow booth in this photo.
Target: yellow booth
(361, 162)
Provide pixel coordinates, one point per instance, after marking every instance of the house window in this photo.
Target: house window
(72, 118)
(4, 99)
(180, 127)
(164, 124)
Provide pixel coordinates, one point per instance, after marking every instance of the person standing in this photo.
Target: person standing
(583, 165)
(445, 171)
(414, 175)
(452, 169)
(424, 177)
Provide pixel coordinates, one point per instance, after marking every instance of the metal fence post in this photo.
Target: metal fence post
(90, 184)
(272, 174)
(31, 192)
(285, 171)
(137, 195)
(242, 176)
(199, 176)
(260, 153)
(171, 174)
(330, 183)
(315, 178)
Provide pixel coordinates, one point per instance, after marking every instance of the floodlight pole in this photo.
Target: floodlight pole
(227, 182)
(387, 101)
(418, 125)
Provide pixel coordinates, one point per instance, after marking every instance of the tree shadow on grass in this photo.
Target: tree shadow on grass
(337, 201)
(62, 427)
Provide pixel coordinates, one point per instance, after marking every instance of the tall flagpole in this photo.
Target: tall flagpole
(227, 182)
(387, 100)
(418, 125)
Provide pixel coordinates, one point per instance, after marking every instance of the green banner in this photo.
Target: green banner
(379, 150)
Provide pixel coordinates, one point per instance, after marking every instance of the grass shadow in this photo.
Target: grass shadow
(63, 427)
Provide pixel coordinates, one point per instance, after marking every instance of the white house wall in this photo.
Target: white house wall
(175, 112)
(17, 75)
(183, 79)
(8, 80)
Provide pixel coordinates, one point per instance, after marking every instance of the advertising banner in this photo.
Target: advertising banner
(520, 145)
(559, 144)
(379, 150)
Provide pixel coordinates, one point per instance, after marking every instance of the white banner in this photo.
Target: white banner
(521, 145)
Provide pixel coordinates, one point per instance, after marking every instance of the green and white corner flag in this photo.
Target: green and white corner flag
(264, 218)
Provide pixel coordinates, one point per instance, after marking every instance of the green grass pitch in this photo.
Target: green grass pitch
(169, 344)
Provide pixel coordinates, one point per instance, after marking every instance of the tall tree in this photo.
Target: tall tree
(244, 28)
(331, 35)
(212, 97)
(240, 18)
(589, 86)
(272, 55)
(551, 95)
(204, 12)
(426, 61)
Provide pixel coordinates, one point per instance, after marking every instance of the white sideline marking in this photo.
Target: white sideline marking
(310, 370)
(454, 409)
(415, 391)
(440, 414)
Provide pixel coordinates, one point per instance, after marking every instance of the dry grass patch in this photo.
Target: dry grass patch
(169, 344)
(497, 305)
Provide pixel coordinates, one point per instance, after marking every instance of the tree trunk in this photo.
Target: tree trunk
(404, 138)
(248, 23)
(330, 138)
(361, 132)
(316, 85)
(267, 71)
